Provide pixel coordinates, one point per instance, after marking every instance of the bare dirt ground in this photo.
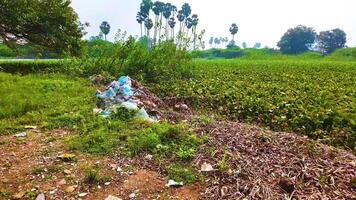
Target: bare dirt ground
(33, 165)
(248, 163)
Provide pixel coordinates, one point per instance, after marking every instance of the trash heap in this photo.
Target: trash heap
(122, 93)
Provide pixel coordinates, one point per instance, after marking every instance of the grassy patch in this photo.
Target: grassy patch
(179, 173)
(48, 101)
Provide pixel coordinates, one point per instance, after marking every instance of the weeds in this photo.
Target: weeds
(179, 173)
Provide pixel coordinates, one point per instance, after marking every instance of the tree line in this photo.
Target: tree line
(301, 38)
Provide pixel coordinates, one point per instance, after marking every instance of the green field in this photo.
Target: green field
(311, 97)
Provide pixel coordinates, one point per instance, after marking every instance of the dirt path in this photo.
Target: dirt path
(248, 162)
(41, 163)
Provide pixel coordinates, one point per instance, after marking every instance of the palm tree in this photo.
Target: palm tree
(105, 28)
(188, 24)
(211, 41)
(140, 19)
(157, 9)
(172, 24)
(186, 9)
(233, 30)
(195, 21)
(149, 25)
(167, 13)
(180, 17)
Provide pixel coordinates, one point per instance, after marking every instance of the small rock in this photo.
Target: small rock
(132, 195)
(69, 189)
(33, 189)
(206, 167)
(118, 169)
(149, 157)
(82, 194)
(107, 183)
(99, 187)
(22, 134)
(62, 182)
(19, 195)
(112, 198)
(53, 191)
(41, 197)
(130, 173)
(66, 171)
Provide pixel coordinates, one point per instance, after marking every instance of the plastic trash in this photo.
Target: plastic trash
(172, 183)
(22, 134)
(129, 105)
(143, 114)
(105, 113)
(126, 91)
(125, 80)
(109, 93)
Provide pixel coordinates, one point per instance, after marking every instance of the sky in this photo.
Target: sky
(262, 21)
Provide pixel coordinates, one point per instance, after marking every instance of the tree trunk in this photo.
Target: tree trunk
(141, 29)
(155, 31)
(167, 30)
(160, 27)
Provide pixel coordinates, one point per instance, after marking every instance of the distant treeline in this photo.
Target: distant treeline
(267, 53)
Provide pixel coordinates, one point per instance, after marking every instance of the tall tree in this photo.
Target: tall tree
(53, 24)
(149, 25)
(140, 19)
(187, 10)
(172, 24)
(167, 14)
(188, 24)
(233, 30)
(244, 45)
(157, 9)
(195, 22)
(257, 45)
(297, 40)
(105, 28)
(329, 41)
(211, 41)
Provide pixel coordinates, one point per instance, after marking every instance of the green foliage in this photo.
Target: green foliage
(297, 40)
(329, 41)
(43, 100)
(5, 51)
(51, 24)
(128, 56)
(26, 67)
(179, 173)
(93, 176)
(343, 54)
(311, 97)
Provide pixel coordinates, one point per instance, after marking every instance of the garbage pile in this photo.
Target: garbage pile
(124, 92)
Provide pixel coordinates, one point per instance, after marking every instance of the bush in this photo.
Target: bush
(130, 57)
(26, 67)
(6, 51)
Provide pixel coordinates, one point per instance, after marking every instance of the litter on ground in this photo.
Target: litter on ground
(122, 93)
(173, 183)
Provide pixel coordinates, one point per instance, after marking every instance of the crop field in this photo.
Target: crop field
(311, 97)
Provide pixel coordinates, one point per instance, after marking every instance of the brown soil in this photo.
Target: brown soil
(31, 166)
(259, 164)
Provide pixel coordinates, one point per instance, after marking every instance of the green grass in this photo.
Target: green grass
(312, 97)
(48, 101)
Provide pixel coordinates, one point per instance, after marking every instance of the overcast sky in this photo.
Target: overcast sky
(262, 21)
